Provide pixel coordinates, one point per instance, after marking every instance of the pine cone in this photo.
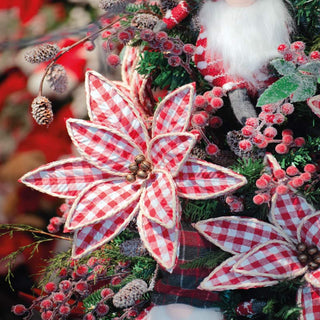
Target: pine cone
(144, 21)
(133, 248)
(113, 7)
(130, 293)
(42, 110)
(57, 77)
(42, 53)
(198, 153)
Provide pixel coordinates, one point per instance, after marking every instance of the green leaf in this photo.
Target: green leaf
(311, 67)
(319, 80)
(279, 90)
(307, 88)
(283, 67)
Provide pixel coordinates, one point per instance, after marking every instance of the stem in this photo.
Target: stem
(67, 49)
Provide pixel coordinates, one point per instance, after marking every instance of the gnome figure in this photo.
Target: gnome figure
(238, 39)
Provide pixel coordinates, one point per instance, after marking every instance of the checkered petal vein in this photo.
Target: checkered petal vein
(105, 148)
(94, 236)
(102, 200)
(308, 298)
(173, 112)
(170, 151)
(237, 234)
(110, 107)
(64, 178)
(313, 277)
(275, 259)
(308, 231)
(202, 180)
(158, 201)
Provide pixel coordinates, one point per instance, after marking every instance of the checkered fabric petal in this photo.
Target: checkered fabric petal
(94, 236)
(271, 162)
(129, 62)
(105, 148)
(313, 277)
(174, 111)
(101, 201)
(308, 231)
(161, 242)
(275, 259)
(158, 201)
(308, 298)
(125, 89)
(170, 151)
(287, 211)
(199, 179)
(108, 106)
(225, 278)
(65, 178)
(237, 234)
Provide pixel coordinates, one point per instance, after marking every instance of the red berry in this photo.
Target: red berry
(278, 118)
(302, 59)
(306, 176)
(92, 262)
(281, 148)
(259, 138)
(174, 61)
(262, 183)
(311, 168)
(99, 269)
(132, 313)
(245, 145)
(167, 45)
(252, 122)
(258, 199)
(106, 292)
(81, 287)
(200, 119)
(52, 228)
(286, 132)
(47, 315)
(89, 316)
(282, 48)
(230, 199)
(113, 60)
(297, 182)
(89, 45)
(19, 309)
(282, 189)
(266, 177)
(189, 49)
(116, 280)
(287, 108)
(124, 37)
(270, 132)
(65, 285)
(263, 144)
(82, 270)
(211, 149)
(215, 122)
(315, 55)
(288, 56)
(58, 297)
(63, 272)
(269, 108)
(64, 310)
(279, 174)
(200, 102)
(217, 92)
(161, 36)
(299, 142)
(269, 118)
(217, 103)
(298, 46)
(147, 35)
(292, 171)
(50, 287)
(102, 309)
(177, 50)
(106, 34)
(46, 304)
(287, 140)
(247, 131)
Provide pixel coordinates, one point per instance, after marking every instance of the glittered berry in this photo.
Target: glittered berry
(297, 182)
(292, 171)
(102, 309)
(302, 59)
(278, 118)
(89, 45)
(58, 297)
(298, 46)
(50, 287)
(113, 60)
(217, 92)
(147, 35)
(200, 102)
(245, 145)
(217, 103)
(268, 108)
(81, 287)
(89, 316)
(212, 149)
(52, 228)
(200, 119)
(215, 122)
(279, 174)
(46, 304)
(247, 131)
(286, 132)
(65, 285)
(63, 272)
(287, 140)
(161, 36)
(106, 34)
(177, 50)
(106, 292)
(252, 122)
(19, 309)
(306, 176)
(282, 189)
(315, 55)
(47, 315)
(269, 118)
(64, 310)
(124, 37)
(282, 48)
(258, 199)
(259, 138)
(174, 61)
(266, 177)
(262, 183)
(270, 132)
(189, 49)
(263, 144)
(281, 148)
(299, 142)
(116, 280)
(311, 168)
(288, 56)
(167, 45)
(287, 108)
(92, 262)
(82, 270)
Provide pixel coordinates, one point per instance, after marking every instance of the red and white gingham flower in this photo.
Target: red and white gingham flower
(265, 253)
(104, 202)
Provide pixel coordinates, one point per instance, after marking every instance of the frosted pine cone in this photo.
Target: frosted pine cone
(57, 77)
(42, 53)
(130, 293)
(42, 110)
(144, 21)
(133, 248)
(198, 153)
(113, 7)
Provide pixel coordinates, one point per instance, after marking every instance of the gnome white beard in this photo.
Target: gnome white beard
(246, 38)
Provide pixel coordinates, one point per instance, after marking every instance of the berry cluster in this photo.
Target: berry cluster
(205, 107)
(295, 53)
(281, 181)
(235, 203)
(260, 131)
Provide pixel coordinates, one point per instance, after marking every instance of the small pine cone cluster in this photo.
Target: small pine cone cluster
(130, 293)
(44, 52)
(113, 7)
(133, 248)
(57, 78)
(42, 110)
(198, 153)
(144, 21)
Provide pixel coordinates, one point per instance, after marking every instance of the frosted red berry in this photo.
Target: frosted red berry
(282, 189)
(174, 61)
(116, 280)
(50, 287)
(268, 108)
(281, 148)
(306, 176)
(65, 285)
(282, 48)
(266, 177)
(200, 119)
(311, 168)
(297, 182)
(147, 35)
(298, 46)
(288, 56)
(89, 45)
(245, 145)
(287, 132)
(189, 49)
(81, 287)
(287, 140)
(247, 131)
(262, 183)
(167, 45)
(217, 92)
(252, 122)
(82, 270)
(161, 36)
(315, 55)
(124, 37)
(106, 292)
(200, 102)
(258, 199)
(287, 108)
(279, 174)
(292, 171)
(46, 304)
(19, 309)
(215, 122)
(102, 309)
(217, 103)
(259, 138)
(113, 60)
(270, 132)
(212, 149)
(299, 142)
(89, 316)
(59, 297)
(64, 310)
(47, 315)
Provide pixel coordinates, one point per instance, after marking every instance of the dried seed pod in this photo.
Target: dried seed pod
(303, 258)
(42, 110)
(145, 165)
(44, 52)
(301, 247)
(312, 265)
(139, 158)
(312, 250)
(130, 293)
(142, 174)
(144, 21)
(133, 248)
(57, 77)
(133, 167)
(130, 177)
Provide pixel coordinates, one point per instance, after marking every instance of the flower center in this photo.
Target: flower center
(308, 255)
(140, 168)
